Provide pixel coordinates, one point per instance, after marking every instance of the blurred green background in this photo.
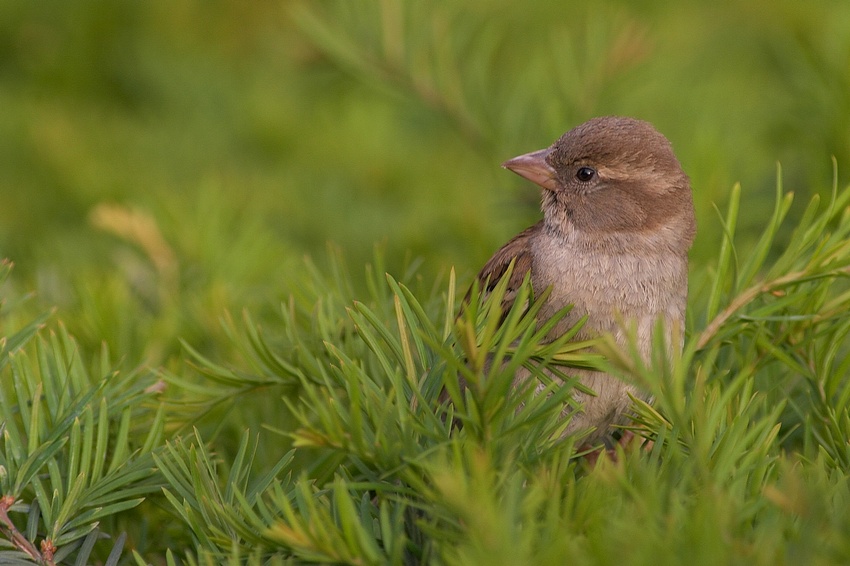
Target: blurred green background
(161, 162)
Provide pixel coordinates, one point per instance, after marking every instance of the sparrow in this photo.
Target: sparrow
(618, 221)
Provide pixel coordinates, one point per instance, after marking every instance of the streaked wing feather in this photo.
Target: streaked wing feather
(518, 250)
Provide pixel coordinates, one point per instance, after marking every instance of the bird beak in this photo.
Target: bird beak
(533, 166)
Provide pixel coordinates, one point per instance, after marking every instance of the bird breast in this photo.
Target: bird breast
(611, 284)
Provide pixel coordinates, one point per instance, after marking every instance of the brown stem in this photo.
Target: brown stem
(12, 532)
(744, 298)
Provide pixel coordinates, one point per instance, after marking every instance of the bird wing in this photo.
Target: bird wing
(517, 250)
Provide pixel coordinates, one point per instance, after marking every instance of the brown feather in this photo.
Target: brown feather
(517, 250)
(617, 224)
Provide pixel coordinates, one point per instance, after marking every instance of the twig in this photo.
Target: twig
(744, 298)
(12, 532)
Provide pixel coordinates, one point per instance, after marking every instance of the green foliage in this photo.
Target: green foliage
(73, 452)
(377, 474)
(164, 165)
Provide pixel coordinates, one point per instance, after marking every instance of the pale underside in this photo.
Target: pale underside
(623, 288)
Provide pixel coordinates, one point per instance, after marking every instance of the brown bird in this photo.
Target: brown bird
(618, 220)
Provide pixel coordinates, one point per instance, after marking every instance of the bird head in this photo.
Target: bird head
(613, 178)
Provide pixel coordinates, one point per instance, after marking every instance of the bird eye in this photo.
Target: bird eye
(585, 174)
